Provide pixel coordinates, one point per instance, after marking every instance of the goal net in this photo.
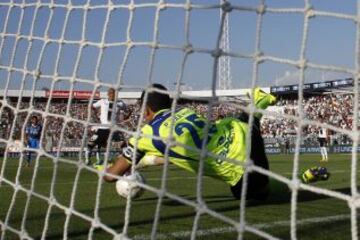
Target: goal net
(57, 57)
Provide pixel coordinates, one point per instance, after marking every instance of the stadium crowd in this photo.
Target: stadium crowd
(75, 116)
(334, 109)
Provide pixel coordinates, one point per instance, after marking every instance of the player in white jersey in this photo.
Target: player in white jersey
(322, 138)
(101, 133)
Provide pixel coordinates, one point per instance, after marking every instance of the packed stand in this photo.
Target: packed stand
(336, 110)
(332, 109)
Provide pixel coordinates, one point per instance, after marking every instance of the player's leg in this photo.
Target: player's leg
(322, 149)
(262, 100)
(325, 153)
(322, 154)
(101, 141)
(36, 145)
(28, 152)
(88, 151)
(258, 184)
(91, 144)
(32, 143)
(98, 153)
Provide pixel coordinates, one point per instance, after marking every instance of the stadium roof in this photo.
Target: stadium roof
(346, 84)
(60, 94)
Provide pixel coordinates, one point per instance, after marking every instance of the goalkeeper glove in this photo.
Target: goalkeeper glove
(315, 174)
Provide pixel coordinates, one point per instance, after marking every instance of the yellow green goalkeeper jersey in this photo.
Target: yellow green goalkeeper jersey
(226, 138)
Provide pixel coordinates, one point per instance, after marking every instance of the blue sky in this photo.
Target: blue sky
(331, 42)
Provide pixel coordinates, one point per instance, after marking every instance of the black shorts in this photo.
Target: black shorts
(322, 142)
(256, 181)
(99, 138)
(118, 136)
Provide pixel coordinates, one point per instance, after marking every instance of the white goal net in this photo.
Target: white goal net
(53, 51)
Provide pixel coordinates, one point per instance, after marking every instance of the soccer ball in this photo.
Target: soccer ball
(16, 147)
(128, 185)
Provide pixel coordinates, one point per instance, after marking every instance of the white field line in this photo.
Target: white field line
(221, 230)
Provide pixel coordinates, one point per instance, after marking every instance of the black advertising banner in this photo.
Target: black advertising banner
(348, 82)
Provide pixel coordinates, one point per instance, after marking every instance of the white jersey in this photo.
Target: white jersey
(106, 111)
(322, 133)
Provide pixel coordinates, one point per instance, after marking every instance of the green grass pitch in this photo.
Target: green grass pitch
(319, 216)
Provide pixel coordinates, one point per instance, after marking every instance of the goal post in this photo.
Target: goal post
(89, 46)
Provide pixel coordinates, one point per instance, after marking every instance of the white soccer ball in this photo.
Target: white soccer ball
(128, 185)
(16, 147)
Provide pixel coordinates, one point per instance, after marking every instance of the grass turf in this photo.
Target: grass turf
(319, 216)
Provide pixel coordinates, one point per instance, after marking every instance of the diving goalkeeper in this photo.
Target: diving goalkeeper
(226, 137)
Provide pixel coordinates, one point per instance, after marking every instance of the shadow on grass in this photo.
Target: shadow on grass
(280, 194)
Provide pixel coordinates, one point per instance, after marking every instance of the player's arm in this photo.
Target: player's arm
(141, 157)
(120, 166)
(94, 107)
(121, 105)
(123, 162)
(150, 160)
(127, 113)
(96, 104)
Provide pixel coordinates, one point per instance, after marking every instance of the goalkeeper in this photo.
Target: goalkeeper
(226, 138)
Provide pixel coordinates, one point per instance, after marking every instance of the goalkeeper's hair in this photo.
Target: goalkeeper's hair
(156, 101)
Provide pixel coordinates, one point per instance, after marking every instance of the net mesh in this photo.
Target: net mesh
(34, 30)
